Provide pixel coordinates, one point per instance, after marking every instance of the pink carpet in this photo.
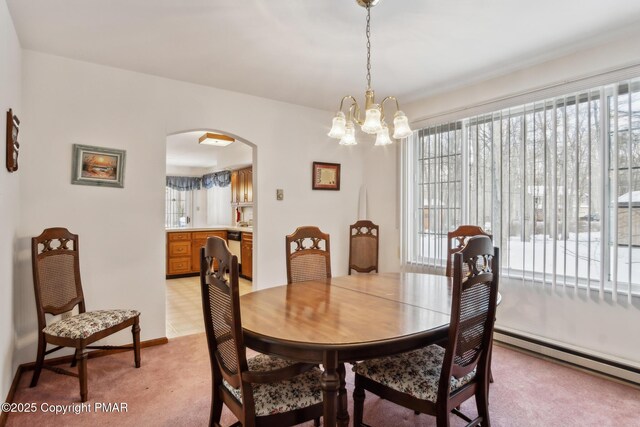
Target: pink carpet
(172, 388)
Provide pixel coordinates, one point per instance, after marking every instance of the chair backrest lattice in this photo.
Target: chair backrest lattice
(221, 307)
(363, 246)
(457, 239)
(475, 294)
(56, 272)
(308, 255)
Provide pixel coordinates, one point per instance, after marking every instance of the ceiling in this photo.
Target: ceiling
(183, 150)
(313, 53)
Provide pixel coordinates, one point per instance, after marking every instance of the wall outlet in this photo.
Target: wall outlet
(66, 315)
(279, 194)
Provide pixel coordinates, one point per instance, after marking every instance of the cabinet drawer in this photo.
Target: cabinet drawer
(179, 265)
(177, 249)
(205, 234)
(179, 236)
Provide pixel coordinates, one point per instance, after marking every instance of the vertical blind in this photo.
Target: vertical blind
(557, 183)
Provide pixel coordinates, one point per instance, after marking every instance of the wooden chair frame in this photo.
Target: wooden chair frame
(315, 236)
(446, 401)
(64, 237)
(219, 269)
(457, 238)
(363, 229)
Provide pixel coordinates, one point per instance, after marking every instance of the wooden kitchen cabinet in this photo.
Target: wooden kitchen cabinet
(183, 250)
(242, 186)
(235, 190)
(178, 253)
(246, 254)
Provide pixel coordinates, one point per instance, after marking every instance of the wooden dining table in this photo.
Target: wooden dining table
(345, 319)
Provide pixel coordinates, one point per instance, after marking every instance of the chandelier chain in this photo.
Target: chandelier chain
(368, 45)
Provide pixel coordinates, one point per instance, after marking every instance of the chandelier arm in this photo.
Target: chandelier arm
(353, 101)
(382, 105)
(354, 113)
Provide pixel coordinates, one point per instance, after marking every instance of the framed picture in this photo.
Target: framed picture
(326, 176)
(98, 166)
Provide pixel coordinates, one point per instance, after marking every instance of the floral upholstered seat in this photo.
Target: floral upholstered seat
(416, 372)
(86, 324)
(274, 398)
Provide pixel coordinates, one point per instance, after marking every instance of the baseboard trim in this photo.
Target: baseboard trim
(628, 373)
(11, 394)
(95, 353)
(67, 359)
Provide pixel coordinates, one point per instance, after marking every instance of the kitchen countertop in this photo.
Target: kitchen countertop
(215, 227)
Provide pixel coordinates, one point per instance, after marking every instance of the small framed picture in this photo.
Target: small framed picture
(326, 176)
(98, 166)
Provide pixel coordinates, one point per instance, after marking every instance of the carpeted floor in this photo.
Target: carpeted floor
(172, 388)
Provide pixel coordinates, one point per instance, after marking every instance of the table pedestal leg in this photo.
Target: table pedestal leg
(343, 409)
(330, 383)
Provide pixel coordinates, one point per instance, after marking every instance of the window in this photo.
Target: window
(178, 208)
(557, 183)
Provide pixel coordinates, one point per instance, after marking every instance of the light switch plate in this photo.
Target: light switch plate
(279, 194)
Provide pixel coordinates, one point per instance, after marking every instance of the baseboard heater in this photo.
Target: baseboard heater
(584, 360)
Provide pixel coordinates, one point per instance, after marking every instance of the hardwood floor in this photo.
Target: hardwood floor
(184, 305)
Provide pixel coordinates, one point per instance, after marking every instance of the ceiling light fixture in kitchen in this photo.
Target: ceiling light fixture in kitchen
(373, 123)
(215, 139)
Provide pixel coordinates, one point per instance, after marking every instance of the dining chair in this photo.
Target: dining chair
(308, 255)
(436, 380)
(363, 246)
(58, 290)
(457, 238)
(259, 391)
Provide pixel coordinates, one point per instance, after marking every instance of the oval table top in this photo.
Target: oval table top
(349, 314)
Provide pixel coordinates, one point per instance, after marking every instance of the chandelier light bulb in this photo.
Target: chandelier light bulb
(372, 122)
(382, 137)
(338, 127)
(401, 127)
(349, 137)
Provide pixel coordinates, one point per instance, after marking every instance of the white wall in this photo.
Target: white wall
(381, 176)
(122, 230)
(576, 321)
(10, 97)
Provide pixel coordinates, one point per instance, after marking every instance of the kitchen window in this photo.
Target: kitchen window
(178, 208)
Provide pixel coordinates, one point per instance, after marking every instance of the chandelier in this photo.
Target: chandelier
(343, 127)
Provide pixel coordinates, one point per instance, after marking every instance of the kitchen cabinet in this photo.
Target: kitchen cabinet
(246, 251)
(178, 253)
(183, 250)
(234, 187)
(242, 186)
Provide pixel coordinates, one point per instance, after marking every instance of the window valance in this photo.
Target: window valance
(216, 179)
(184, 183)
